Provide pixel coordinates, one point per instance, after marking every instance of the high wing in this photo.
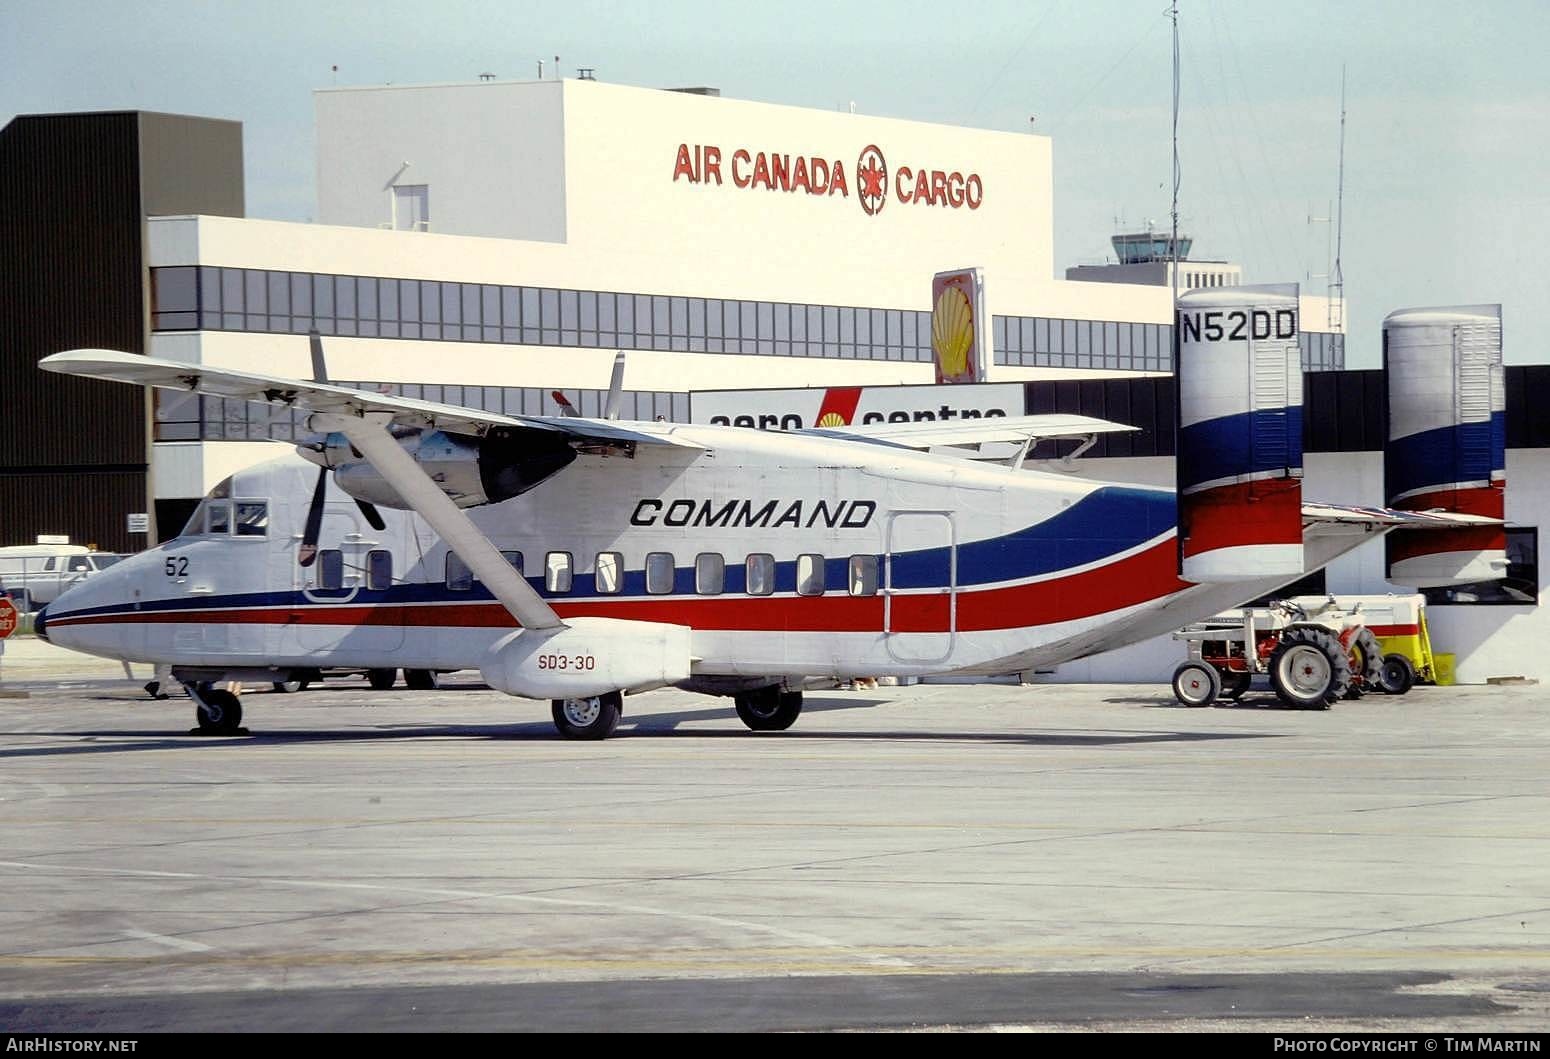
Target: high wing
(115, 366)
(930, 434)
(365, 418)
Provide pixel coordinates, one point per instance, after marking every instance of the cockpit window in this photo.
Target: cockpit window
(217, 516)
(252, 518)
(222, 490)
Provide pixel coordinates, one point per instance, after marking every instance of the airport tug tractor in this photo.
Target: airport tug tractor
(1315, 652)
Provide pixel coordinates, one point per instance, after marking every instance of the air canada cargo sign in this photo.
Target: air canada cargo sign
(842, 406)
(919, 182)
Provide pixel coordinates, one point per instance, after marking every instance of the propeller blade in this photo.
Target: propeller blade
(566, 408)
(373, 516)
(615, 389)
(309, 537)
(319, 367)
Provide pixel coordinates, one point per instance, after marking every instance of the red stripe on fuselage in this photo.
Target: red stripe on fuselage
(1139, 578)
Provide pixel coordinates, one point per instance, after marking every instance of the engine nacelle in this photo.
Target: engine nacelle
(1240, 434)
(1447, 441)
(590, 656)
(470, 470)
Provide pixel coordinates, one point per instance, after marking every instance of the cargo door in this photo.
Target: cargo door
(920, 588)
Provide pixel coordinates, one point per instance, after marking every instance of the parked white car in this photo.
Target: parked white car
(35, 574)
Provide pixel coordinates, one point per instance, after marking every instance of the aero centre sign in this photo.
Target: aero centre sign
(839, 406)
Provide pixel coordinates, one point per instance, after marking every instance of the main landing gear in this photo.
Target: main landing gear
(593, 717)
(769, 709)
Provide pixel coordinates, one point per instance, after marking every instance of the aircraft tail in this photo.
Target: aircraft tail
(1447, 442)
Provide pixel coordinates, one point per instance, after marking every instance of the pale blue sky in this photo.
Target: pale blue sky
(1448, 134)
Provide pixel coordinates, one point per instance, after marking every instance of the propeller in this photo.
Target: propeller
(307, 554)
(611, 404)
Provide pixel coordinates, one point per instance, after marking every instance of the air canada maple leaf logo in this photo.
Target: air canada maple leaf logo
(872, 180)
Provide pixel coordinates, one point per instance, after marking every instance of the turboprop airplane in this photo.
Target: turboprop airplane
(581, 559)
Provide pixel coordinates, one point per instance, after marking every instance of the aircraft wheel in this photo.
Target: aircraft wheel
(1309, 668)
(217, 711)
(1196, 683)
(381, 679)
(769, 709)
(1234, 684)
(593, 717)
(1398, 675)
(421, 679)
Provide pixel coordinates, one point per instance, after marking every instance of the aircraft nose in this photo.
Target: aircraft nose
(40, 624)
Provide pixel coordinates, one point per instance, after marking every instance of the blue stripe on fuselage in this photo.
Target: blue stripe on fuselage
(1108, 521)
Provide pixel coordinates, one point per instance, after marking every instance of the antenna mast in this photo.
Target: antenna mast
(1336, 279)
(1173, 246)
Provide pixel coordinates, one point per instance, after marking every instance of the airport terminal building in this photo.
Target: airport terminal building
(489, 243)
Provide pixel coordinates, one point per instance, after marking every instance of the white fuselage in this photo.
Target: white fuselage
(980, 569)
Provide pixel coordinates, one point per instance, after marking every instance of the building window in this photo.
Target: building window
(1520, 586)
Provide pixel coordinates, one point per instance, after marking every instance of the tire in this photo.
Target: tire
(769, 709)
(1366, 663)
(217, 711)
(1196, 683)
(1398, 675)
(594, 717)
(381, 679)
(421, 679)
(1234, 684)
(289, 687)
(1309, 669)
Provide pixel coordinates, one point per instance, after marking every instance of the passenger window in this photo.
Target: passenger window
(761, 574)
(810, 575)
(659, 573)
(252, 518)
(557, 568)
(331, 569)
(49, 565)
(379, 569)
(218, 517)
(710, 573)
(459, 577)
(863, 575)
(610, 573)
(513, 560)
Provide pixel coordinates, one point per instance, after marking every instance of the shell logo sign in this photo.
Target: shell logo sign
(815, 175)
(958, 341)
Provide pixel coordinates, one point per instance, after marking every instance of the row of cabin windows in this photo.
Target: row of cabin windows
(661, 572)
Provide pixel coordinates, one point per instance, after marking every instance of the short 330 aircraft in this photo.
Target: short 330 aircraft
(579, 560)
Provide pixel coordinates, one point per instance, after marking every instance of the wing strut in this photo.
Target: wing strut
(398, 469)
